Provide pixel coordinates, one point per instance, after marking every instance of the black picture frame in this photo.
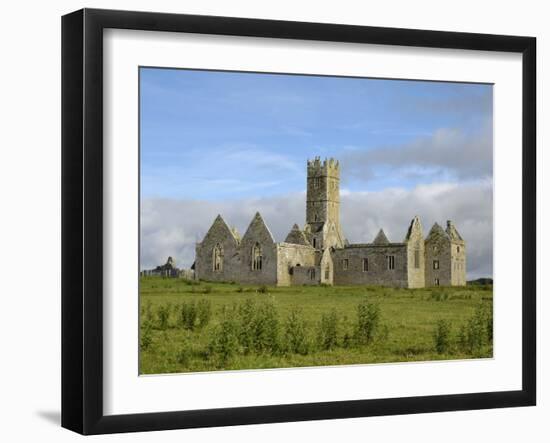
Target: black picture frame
(82, 218)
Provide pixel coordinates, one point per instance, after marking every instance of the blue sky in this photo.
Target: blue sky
(236, 143)
(219, 135)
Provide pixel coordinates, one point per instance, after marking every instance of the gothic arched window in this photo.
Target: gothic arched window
(217, 258)
(257, 257)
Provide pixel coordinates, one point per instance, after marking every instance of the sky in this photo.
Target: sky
(234, 143)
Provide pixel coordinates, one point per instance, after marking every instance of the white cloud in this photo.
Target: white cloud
(446, 151)
(172, 227)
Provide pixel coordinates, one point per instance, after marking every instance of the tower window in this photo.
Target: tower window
(436, 264)
(345, 264)
(365, 265)
(391, 261)
(436, 282)
(217, 258)
(312, 274)
(314, 242)
(327, 272)
(257, 257)
(416, 258)
(458, 249)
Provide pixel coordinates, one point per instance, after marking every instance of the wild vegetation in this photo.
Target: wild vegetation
(188, 326)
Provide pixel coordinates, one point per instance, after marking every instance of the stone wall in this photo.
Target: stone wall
(258, 234)
(378, 272)
(438, 251)
(290, 255)
(458, 263)
(218, 234)
(415, 254)
(305, 275)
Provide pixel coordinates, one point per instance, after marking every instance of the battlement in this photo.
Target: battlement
(330, 166)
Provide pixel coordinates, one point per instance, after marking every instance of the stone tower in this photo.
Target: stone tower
(323, 204)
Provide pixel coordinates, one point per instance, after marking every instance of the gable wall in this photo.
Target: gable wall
(378, 273)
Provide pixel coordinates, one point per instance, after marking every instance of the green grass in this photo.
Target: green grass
(407, 323)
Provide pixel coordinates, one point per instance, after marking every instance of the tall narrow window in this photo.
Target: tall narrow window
(257, 257)
(327, 272)
(312, 274)
(365, 264)
(217, 259)
(391, 261)
(436, 264)
(345, 264)
(436, 282)
(314, 242)
(416, 258)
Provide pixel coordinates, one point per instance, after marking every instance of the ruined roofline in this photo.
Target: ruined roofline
(373, 245)
(294, 245)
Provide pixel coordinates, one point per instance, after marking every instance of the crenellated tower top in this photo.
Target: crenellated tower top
(327, 167)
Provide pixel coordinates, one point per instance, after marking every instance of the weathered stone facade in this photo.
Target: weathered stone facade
(320, 253)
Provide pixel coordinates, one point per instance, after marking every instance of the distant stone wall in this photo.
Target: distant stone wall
(378, 272)
(290, 255)
(306, 275)
(416, 255)
(438, 255)
(219, 234)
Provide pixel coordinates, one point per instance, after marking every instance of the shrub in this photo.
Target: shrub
(247, 325)
(188, 315)
(489, 323)
(442, 336)
(368, 322)
(474, 334)
(163, 315)
(183, 356)
(239, 289)
(146, 337)
(262, 289)
(266, 328)
(224, 341)
(327, 336)
(295, 334)
(147, 312)
(208, 289)
(204, 312)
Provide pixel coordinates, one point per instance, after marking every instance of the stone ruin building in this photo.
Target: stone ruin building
(319, 253)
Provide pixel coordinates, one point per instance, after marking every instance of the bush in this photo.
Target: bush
(266, 328)
(368, 322)
(262, 289)
(188, 315)
(183, 356)
(224, 341)
(442, 336)
(295, 334)
(247, 326)
(147, 312)
(204, 312)
(473, 336)
(163, 316)
(327, 336)
(208, 289)
(146, 337)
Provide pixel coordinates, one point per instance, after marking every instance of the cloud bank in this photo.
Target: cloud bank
(173, 226)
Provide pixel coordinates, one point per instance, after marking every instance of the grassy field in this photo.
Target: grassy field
(197, 326)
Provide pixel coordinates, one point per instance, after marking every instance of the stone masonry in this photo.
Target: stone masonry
(319, 253)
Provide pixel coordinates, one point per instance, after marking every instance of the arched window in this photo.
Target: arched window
(257, 257)
(217, 258)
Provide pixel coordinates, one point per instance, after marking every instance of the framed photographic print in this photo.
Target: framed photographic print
(269, 221)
